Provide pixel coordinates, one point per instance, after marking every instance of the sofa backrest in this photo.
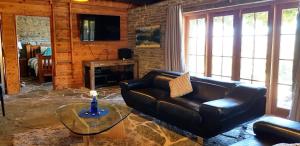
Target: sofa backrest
(161, 81)
(207, 88)
(207, 91)
(227, 84)
(247, 92)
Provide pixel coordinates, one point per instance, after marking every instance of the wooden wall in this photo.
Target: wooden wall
(68, 50)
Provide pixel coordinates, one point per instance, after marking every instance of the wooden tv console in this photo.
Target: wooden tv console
(89, 68)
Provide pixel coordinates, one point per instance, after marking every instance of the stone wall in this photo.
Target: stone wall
(34, 30)
(156, 14)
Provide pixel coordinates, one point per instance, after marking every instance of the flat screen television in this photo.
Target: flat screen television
(99, 27)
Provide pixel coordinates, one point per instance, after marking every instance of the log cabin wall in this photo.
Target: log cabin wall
(68, 50)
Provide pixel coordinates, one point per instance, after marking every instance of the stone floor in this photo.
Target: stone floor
(31, 120)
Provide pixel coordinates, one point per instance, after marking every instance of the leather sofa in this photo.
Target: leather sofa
(212, 108)
(273, 130)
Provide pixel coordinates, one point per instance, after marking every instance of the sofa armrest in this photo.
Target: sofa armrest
(133, 84)
(283, 130)
(242, 99)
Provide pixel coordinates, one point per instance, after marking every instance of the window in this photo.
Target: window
(286, 55)
(222, 47)
(196, 47)
(254, 46)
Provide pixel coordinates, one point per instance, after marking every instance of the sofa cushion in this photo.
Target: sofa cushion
(190, 103)
(153, 92)
(180, 86)
(179, 115)
(208, 91)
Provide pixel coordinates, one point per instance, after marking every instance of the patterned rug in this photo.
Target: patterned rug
(140, 129)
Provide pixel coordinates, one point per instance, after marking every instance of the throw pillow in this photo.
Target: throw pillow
(180, 86)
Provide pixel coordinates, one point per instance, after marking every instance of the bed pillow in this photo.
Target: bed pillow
(180, 86)
(47, 52)
(43, 49)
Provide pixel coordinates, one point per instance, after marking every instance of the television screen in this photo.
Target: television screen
(99, 27)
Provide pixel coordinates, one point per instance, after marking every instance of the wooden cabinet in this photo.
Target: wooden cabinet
(103, 73)
(23, 67)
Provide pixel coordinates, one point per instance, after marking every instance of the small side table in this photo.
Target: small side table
(91, 65)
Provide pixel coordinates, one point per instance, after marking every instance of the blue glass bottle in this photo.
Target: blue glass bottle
(94, 105)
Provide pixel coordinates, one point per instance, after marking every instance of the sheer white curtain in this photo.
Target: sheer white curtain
(295, 111)
(174, 54)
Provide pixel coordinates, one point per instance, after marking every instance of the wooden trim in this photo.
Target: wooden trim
(275, 58)
(208, 58)
(71, 38)
(223, 13)
(186, 34)
(186, 40)
(236, 61)
(287, 5)
(103, 4)
(53, 44)
(256, 9)
(23, 9)
(236, 7)
(269, 59)
(2, 61)
(16, 49)
(196, 16)
(287, 2)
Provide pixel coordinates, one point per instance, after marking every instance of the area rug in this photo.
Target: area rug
(140, 130)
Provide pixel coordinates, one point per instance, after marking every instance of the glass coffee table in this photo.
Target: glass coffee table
(87, 127)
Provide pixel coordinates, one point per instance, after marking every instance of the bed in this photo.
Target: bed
(39, 64)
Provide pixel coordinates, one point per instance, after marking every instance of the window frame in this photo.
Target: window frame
(276, 57)
(274, 9)
(187, 20)
(210, 39)
(269, 44)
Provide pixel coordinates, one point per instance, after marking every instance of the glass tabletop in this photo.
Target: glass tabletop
(68, 115)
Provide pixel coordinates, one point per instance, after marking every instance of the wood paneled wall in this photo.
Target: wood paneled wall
(68, 50)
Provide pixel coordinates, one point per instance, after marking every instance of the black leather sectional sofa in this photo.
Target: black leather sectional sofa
(212, 108)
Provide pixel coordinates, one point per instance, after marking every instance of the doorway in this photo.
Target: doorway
(34, 52)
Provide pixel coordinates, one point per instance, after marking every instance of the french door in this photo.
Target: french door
(283, 54)
(254, 45)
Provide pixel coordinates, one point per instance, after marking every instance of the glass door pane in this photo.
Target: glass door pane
(286, 55)
(222, 47)
(196, 47)
(254, 47)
